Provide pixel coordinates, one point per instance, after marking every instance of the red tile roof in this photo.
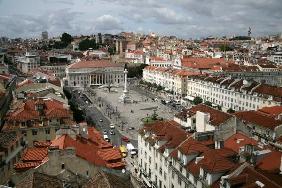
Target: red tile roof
(34, 154)
(192, 146)
(248, 178)
(271, 162)
(214, 161)
(90, 150)
(26, 165)
(156, 58)
(203, 63)
(274, 91)
(168, 131)
(238, 140)
(258, 118)
(27, 111)
(273, 111)
(94, 64)
(217, 117)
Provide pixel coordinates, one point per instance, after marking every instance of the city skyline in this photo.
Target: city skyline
(184, 19)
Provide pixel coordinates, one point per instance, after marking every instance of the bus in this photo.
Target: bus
(123, 150)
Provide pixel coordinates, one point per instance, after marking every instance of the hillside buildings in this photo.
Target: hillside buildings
(26, 63)
(38, 119)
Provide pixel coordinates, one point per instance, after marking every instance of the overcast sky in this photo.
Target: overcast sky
(183, 18)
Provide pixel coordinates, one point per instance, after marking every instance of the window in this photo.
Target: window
(24, 133)
(161, 171)
(47, 131)
(34, 132)
(156, 166)
(179, 180)
(164, 175)
(160, 183)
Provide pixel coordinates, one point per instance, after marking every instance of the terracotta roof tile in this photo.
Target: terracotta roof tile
(94, 64)
(217, 117)
(248, 178)
(26, 165)
(203, 63)
(214, 161)
(238, 140)
(272, 111)
(35, 154)
(91, 149)
(258, 118)
(271, 162)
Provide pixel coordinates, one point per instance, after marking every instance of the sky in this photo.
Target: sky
(183, 18)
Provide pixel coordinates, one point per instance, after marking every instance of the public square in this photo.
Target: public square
(128, 116)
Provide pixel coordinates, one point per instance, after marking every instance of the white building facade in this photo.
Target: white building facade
(28, 62)
(94, 73)
(173, 80)
(236, 94)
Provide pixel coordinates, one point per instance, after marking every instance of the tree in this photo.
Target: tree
(230, 111)
(86, 44)
(112, 50)
(208, 103)
(66, 38)
(159, 88)
(136, 71)
(224, 48)
(197, 100)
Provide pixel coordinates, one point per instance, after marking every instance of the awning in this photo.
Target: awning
(146, 181)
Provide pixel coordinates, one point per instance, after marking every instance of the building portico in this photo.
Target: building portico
(94, 73)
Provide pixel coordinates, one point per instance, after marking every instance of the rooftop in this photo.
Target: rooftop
(93, 64)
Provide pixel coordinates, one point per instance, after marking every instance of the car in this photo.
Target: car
(106, 138)
(112, 132)
(112, 126)
(131, 128)
(125, 139)
(105, 132)
(101, 120)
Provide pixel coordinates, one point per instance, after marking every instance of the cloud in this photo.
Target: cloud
(64, 2)
(189, 18)
(167, 16)
(108, 23)
(54, 22)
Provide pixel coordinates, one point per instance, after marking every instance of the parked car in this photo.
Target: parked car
(112, 126)
(112, 132)
(101, 120)
(105, 132)
(131, 128)
(125, 139)
(106, 138)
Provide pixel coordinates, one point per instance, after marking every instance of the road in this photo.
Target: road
(98, 119)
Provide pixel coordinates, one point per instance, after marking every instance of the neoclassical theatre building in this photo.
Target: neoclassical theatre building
(94, 73)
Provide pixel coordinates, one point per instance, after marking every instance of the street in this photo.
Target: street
(98, 119)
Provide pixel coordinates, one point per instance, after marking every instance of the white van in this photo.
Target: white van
(131, 149)
(106, 138)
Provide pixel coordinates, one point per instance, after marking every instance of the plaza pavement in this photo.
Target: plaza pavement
(128, 115)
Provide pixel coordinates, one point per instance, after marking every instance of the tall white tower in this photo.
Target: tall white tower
(124, 98)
